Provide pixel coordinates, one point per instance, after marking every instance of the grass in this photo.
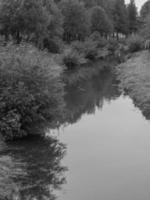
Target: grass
(134, 76)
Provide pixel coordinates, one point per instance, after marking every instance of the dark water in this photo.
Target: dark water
(101, 153)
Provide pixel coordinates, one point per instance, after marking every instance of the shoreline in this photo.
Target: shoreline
(134, 77)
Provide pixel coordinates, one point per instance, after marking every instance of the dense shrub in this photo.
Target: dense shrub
(88, 48)
(113, 45)
(80, 52)
(72, 58)
(52, 45)
(31, 90)
(92, 48)
(100, 41)
(135, 43)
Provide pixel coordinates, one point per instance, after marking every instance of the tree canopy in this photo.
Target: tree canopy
(44, 22)
(120, 17)
(145, 10)
(100, 21)
(75, 24)
(132, 16)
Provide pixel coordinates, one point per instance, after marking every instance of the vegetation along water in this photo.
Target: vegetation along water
(74, 100)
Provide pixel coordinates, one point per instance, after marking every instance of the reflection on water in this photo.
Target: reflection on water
(107, 157)
(86, 96)
(108, 150)
(31, 169)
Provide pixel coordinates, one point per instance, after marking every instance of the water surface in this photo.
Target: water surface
(102, 152)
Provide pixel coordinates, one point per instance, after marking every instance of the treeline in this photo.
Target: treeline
(145, 21)
(46, 23)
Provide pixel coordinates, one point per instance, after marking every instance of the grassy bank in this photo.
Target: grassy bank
(134, 76)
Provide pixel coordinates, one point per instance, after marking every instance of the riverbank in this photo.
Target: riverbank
(134, 76)
(31, 91)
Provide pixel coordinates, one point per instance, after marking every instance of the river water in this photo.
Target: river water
(101, 153)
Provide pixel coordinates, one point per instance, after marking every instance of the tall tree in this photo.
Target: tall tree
(145, 10)
(55, 28)
(120, 17)
(54, 31)
(145, 28)
(22, 18)
(76, 25)
(100, 21)
(132, 16)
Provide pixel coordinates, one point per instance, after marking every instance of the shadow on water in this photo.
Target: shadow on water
(86, 96)
(31, 169)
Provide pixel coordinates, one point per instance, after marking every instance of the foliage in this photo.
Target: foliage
(120, 17)
(30, 20)
(145, 29)
(31, 92)
(135, 43)
(132, 16)
(145, 10)
(100, 21)
(100, 41)
(20, 18)
(81, 52)
(113, 45)
(134, 76)
(75, 20)
(88, 48)
(44, 22)
(54, 32)
(72, 58)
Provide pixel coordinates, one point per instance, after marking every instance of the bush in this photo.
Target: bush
(79, 52)
(51, 45)
(101, 41)
(72, 58)
(31, 92)
(135, 43)
(88, 48)
(113, 45)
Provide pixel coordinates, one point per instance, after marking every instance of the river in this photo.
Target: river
(101, 152)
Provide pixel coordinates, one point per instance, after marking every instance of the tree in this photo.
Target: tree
(100, 21)
(54, 31)
(37, 21)
(132, 16)
(145, 29)
(22, 19)
(120, 17)
(55, 18)
(145, 10)
(75, 24)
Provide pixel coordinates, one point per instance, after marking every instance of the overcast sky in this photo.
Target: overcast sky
(139, 3)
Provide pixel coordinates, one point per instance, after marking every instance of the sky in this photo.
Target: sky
(139, 3)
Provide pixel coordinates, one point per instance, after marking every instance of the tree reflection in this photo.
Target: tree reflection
(31, 169)
(88, 95)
